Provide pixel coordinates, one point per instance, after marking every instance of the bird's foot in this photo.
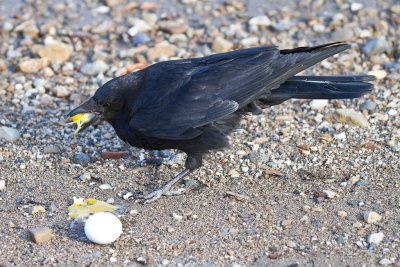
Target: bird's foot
(166, 189)
(153, 196)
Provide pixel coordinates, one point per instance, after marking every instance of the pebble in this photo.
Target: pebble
(326, 137)
(94, 68)
(371, 217)
(161, 50)
(340, 136)
(282, 25)
(2, 185)
(105, 186)
(41, 234)
(140, 38)
(379, 74)
(173, 27)
(85, 177)
(261, 20)
(233, 173)
(114, 154)
(342, 213)
(376, 46)
(329, 193)
(350, 116)
(362, 182)
(33, 65)
(3, 66)
(318, 104)
(51, 149)
(344, 34)
(385, 261)
(258, 158)
(354, 7)
(368, 105)
(9, 134)
(291, 244)
(357, 225)
(82, 159)
(221, 45)
(375, 238)
(55, 52)
(177, 217)
(37, 209)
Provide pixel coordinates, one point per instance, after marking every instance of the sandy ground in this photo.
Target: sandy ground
(279, 164)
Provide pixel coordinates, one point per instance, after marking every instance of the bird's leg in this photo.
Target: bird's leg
(165, 189)
(192, 163)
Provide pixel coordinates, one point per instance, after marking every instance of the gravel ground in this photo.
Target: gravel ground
(306, 183)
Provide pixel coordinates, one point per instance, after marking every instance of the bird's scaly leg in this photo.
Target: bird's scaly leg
(165, 190)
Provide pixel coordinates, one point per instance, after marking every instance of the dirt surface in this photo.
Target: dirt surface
(293, 188)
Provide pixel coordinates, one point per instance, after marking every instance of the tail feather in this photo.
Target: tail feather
(320, 87)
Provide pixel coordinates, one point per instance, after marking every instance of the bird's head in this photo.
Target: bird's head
(103, 105)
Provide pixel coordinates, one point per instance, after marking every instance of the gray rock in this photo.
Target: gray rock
(2, 185)
(82, 159)
(51, 149)
(375, 46)
(396, 148)
(392, 65)
(41, 234)
(362, 182)
(85, 177)
(375, 238)
(343, 34)
(9, 134)
(282, 25)
(95, 68)
(368, 105)
(258, 158)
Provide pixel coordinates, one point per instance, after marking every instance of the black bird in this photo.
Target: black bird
(176, 104)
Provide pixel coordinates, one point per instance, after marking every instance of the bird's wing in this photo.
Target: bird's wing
(174, 103)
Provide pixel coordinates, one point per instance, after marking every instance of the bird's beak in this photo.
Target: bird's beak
(84, 115)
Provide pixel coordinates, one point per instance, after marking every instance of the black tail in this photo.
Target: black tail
(320, 87)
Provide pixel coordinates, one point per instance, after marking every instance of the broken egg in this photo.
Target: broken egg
(103, 228)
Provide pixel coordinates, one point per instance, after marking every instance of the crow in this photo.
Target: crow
(178, 104)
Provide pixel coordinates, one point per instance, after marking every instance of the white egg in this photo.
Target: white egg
(103, 228)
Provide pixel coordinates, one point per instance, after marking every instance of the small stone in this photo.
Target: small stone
(261, 20)
(114, 154)
(147, 6)
(62, 91)
(326, 137)
(28, 27)
(105, 187)
(344, 34)
(357, 225)
(282, 25)
(173, 27)
(41, 234)
(340, 136)
(354, 7)
(291, 244)
(318, 104)
(329, 193)
(9, 134)
(353, 180)
(258, 158)
(221, 45)
(371, 217)
(349, 116)
(133, 212)
(286, 223)
(33, 65)
(3, 66)
(392, 112)
(375, 238)
(233, 173)
(82, 159)
(177, 217)
(362, 182)
(385, 261)
(37, 209)
(2, 185)
(140, 38)
(342, 213)
(376, 46)
(379, 74)
(51, 149)
(95, 68)
(113, 259)
(161, 50)
(55, 52)
(85, 177)
(304, 147)
(368, 105)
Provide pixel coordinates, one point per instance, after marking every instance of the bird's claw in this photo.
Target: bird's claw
(153, 196)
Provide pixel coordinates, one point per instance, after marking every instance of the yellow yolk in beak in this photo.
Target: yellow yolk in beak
(80, 120)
